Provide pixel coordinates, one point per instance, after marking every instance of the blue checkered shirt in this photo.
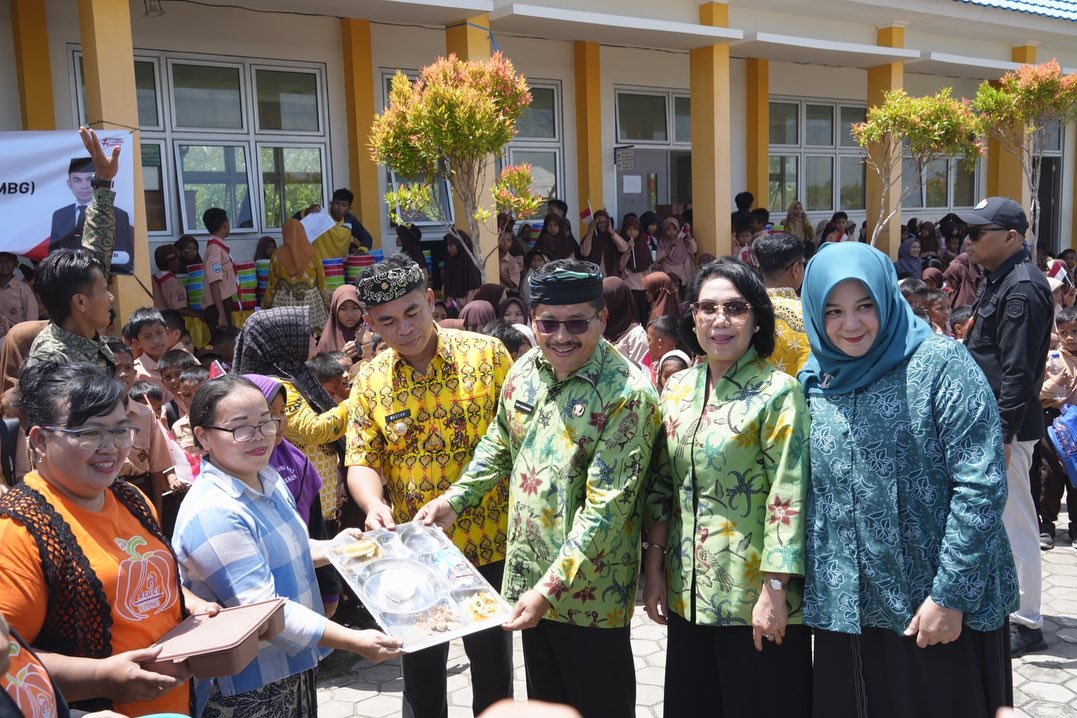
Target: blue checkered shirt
(238, 546)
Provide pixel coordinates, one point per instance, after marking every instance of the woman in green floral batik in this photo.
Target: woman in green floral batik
(910, 576)
(725, 512)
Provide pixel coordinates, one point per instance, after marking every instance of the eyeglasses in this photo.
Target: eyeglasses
(122, 437)
(247, 432)
(574, 326)
(709, 310)
(976, 232)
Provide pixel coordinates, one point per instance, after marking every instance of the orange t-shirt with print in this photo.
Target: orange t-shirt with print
(136, 571)
(28, 684)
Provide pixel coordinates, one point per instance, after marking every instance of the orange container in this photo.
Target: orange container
(222, 645)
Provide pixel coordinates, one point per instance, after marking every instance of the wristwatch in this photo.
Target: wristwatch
(98, 183)
(776, 584)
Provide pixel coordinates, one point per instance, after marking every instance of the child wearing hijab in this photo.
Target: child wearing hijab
(476, 314)
(909, 264)
(513, 310)
(296, 276)
(265, 249)
(671, 363)
(636, 262)
(407, 239)
(555, 240)
(910, 575)
(187, 246)
(460, 275)
(662, 294)
(676, 252)
(344, 329)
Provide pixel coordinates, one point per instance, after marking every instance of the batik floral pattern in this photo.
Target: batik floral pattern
(576, 453)
(731, 478)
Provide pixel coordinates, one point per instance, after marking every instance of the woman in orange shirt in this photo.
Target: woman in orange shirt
(87, 577)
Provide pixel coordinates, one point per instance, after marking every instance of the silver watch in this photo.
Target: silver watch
(776, 584)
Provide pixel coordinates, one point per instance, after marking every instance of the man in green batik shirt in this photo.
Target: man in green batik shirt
(574, 432)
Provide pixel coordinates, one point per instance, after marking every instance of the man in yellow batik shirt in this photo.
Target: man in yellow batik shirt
(419, 409)
(781, 260)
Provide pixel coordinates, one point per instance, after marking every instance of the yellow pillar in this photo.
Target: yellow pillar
(589, 167)
(1073, 222)
(32, 64)
(359, 99)
(108, 64)
(759, 133)
(711, 154)
(881, 79)
(1004, 174)
(470, 40)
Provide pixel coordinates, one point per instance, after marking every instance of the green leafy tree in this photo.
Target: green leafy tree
(923, 129)
(445, 126)
(1019, 112)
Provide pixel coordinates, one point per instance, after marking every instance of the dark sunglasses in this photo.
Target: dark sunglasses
(976, 232)
(573, 326)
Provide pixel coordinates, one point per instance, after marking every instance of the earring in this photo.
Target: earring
(755, 331)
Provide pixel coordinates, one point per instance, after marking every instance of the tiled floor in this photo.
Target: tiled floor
(1045, 683)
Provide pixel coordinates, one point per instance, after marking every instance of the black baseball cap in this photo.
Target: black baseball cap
(1002, 211)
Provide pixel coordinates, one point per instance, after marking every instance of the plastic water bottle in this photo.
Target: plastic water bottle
(1055, 368)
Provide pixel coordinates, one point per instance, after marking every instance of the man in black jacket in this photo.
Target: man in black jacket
(1009, 338)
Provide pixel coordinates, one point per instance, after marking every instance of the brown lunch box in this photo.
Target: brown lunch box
(222, 645)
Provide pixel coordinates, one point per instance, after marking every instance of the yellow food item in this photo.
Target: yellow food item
(481, 606)
(362, 548)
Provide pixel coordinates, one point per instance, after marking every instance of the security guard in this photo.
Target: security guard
(1009, 338)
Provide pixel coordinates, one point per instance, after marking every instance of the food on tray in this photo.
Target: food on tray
(399, 585)
(441, 620)
(365, 549)
(481, 606)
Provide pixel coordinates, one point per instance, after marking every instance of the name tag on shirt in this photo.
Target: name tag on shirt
(399, 415)
(524, 408)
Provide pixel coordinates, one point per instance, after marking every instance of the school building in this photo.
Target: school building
(264, 109)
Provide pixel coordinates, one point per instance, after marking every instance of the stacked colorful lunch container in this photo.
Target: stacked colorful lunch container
(353, 265)
(248, 284)
(261, 271)
(334, 272)
(356, 262)
(196, 278)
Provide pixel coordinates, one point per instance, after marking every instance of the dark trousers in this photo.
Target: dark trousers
(882, 674)
(490, 654)
(210, 312)
(716, 671)
(1049, 481)
(589, 669)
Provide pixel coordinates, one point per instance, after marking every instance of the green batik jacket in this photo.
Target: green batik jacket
(98, 240)
(576, 454)
(731, 478)
(99, 228)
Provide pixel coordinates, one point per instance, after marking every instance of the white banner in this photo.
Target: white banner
(45, 188)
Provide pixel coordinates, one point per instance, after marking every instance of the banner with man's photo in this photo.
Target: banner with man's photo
(45, 189)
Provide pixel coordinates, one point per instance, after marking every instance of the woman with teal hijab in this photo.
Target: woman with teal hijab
(910, 577)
